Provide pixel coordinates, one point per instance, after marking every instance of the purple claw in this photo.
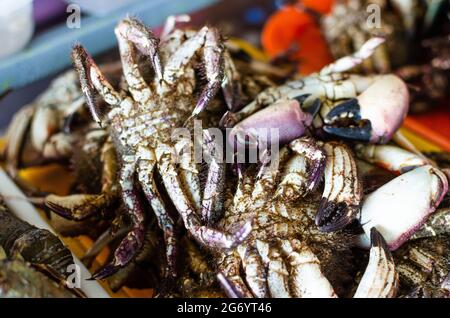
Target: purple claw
(375, 115)
(284, 118)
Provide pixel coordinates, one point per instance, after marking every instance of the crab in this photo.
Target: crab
(286, 255)
(430, 80)
(401, 23)
(327, 104)
(140, 126)
(46, 130)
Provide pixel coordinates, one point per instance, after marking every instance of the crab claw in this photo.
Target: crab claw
(77, 206)
(400, 207)
(342, 193)
(284, 118)
(380, 279)
(375, 115)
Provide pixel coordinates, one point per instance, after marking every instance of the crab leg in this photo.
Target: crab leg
(212, 203)
(136, 32)
(308, 279)
(315, 154)
(15, 137)
(392, 158)
(266, 179)
(342, 194)
(81, 206)
(231, 86)
(189, 174)
(255, 273)
(294, 182)
(91, 79)
(380, 280)
(170, 23)
(133, 241)
(231, 282)
(145, 169)
(206, 236)
(208, 39)
(348, 62)
(131, 31)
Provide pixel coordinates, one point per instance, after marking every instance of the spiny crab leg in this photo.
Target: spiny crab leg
(208, 39)
(203, 234)
(380, 279)
(400, 207)
(133, 241)
(145, 170)
(92, 79)
(342, 194)
(145, 41)
(170, 24)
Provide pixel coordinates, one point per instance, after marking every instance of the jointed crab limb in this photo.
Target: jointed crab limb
(82, 62)
(255, 273)
(231, 86)
(207, 236)
(136, 85)
(346, 63)
(390, 157)
(212, 203)
(133, 241)
(380, 280)
(342, 193)
(81, 206)
(315, 154)
(145, 172)
(209, 40)
(145, 41)
(232, 283)
(15, 137)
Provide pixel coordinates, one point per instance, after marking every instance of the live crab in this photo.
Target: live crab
(140, 126)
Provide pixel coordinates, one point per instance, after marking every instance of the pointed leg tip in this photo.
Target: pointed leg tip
(332, 216)
(105, 272)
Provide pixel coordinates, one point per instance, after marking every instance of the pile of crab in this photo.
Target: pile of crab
(339, 180)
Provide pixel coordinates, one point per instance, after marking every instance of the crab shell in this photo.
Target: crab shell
(400, 207)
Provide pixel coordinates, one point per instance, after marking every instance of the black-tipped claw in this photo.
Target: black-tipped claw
(334, 216)
(361, 133)
(345, 121)
(350, 107)
(105, 272)
(377, 240)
